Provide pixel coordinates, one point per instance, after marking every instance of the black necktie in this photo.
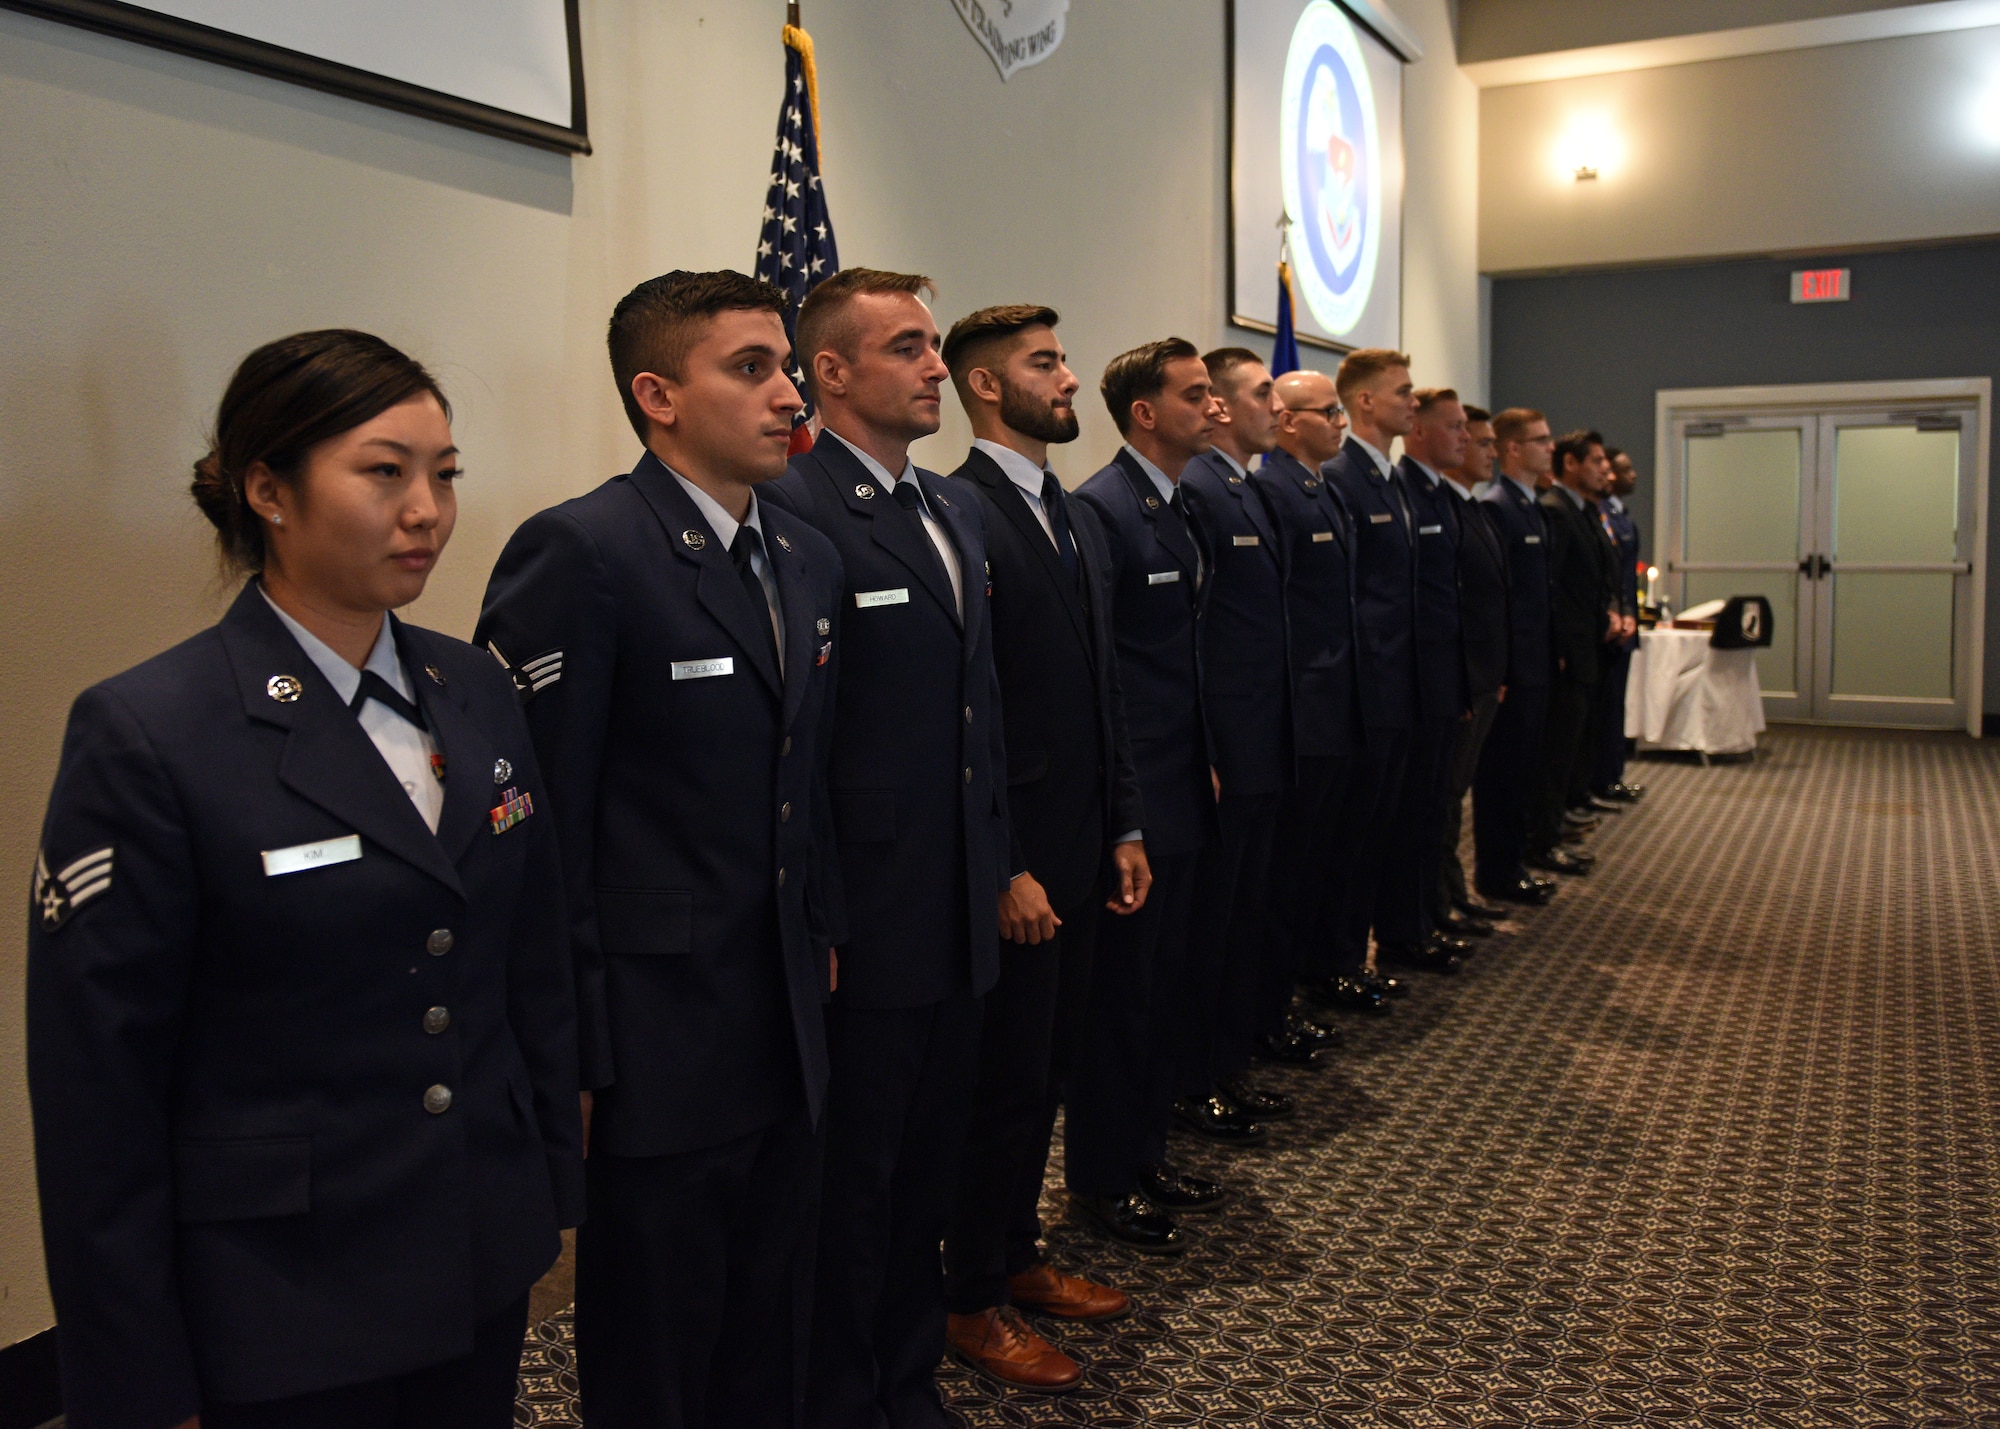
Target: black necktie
(1056, 504)
(740, 551)
(1179, 507)
(911, 499)
(374, 687)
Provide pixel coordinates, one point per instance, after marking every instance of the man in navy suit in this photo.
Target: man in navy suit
(1375, 387)
(671, 635)
(1608, 777)
(1076, 819)
(1404, 923)
(1503, 788)
(1246, 691)
(1120, 1098)
(918, 783)
(1317, 536)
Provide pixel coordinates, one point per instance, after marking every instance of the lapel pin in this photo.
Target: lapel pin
(864, 491)
(1152, 503)
(1235, 481)
(783, 542)
(502, 771)
(695, 540)
(285, 689)
(1312, 483)
(825, 626)
(437, 676)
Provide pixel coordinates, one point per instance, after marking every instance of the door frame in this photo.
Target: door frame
(1670, 404)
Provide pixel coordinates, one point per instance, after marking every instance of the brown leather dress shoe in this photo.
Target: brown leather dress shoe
(1044, 1290)
(999, 1343)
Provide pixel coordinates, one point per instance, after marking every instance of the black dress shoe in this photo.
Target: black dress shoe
(1597, 805)
(1131, 1220)
(1624, 793)
(1557, 860)
(1384, 985)
(1286, 1049)
(1179, 1192)
(1578, 819)
(1425, 958)
(1255, 1100)
(1533, 892)
(1217, 1120)
(1344, 994)
(1571, 834)
(1445, 943)
(1460, 926)
(1472, 908)
(1317, 1033)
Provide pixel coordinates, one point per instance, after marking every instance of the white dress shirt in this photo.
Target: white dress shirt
(1437, 478)
(1527, 491)
(1480, 488)
(1468, 493)
(1159, 478)
(1382, 462)
(1234, 465)
(725, 527)
(406, 749)
(1027, 478)
(940, 537)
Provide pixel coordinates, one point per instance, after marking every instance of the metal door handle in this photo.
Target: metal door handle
(1815, 567)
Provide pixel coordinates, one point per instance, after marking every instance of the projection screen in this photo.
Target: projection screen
(1316, 135)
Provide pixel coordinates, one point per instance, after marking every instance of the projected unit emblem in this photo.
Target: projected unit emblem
(1330, 156)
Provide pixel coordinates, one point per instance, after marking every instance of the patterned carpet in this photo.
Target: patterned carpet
(1710, 1140)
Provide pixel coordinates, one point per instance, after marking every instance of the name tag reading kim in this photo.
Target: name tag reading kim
(704, 669)
(1162, 577)
(869, 599)
(1319, 536)
(300, 857)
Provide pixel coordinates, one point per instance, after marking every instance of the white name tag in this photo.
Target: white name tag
(869, 599)
(1381, 518)
(1319, 536)
(1243, 540)
(704, 669)
(1430, 530)
(1531, 540)
(300, 857)
(1162, 577)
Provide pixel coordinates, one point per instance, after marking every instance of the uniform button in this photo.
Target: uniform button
(438, 943)
(968, 714)
(784, 813)
(968, 773)
(786, 747)
(436, 1020)
(781, 878)
(437, 1099)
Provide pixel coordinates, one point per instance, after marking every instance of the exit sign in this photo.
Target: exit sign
(1820, 285)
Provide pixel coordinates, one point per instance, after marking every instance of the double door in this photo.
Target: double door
(1859, 522)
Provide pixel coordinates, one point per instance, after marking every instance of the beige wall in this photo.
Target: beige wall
(1846, 145)
(163, 216)
(1502, 29)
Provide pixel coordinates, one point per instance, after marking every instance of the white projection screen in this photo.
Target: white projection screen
(506, 67)
(1316, 135)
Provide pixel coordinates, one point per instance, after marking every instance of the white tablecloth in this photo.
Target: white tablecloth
(1685, 694)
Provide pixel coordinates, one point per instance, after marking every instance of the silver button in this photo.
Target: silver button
(784, 813)
(781, 878)
(437, 1099)
(786, 747)
(436, 1020)
(968, 773)
(968, 714)
(502, 771)
(438, 943)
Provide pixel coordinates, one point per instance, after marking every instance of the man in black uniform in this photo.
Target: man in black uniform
(1120, 1097)
(1482, 615)
(671, 635)
(1074, 811)
(1608, 777)
(918, 782)
(1584, 616)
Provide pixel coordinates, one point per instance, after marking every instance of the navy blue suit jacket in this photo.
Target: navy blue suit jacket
(1070, 783)
(1245, 647)
(1625, 533)
(919, 771)
(1441, 693)
(1518, 519)
(1482, 597)
(1385, 566)
(1151, 587)
(1316, 540)
(244, 1191)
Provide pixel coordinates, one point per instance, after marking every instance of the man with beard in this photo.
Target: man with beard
(1073, 805)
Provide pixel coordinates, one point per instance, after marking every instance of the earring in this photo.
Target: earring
(277, 520)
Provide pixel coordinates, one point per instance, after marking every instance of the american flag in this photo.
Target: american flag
(795, 248)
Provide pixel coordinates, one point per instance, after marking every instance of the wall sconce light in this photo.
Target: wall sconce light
(1588, 147)
(1585, 173)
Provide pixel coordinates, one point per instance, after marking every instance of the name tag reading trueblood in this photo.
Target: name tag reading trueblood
(300, 857)
(514, 807)
(1162, 577)
(704, 669)
(869, 599)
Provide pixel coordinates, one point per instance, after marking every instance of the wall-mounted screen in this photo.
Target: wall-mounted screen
(1316, 136)
(507, 67)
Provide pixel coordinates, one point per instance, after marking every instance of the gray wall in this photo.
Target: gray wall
(1591, 349)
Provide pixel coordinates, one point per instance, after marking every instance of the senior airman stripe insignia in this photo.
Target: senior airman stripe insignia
(59, 895)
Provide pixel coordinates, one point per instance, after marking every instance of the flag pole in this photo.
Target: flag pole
(792, 13)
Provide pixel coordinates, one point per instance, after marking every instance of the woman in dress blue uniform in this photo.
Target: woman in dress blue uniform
(300, 1020)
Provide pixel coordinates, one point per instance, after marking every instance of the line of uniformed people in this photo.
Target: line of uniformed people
(845, 820)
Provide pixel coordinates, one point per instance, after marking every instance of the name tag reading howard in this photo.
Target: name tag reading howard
(704, 669)
(300, 857)
(1380, 518)
(1162, 577)
(1243, 540)
(869, 599)
(1319, 536)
